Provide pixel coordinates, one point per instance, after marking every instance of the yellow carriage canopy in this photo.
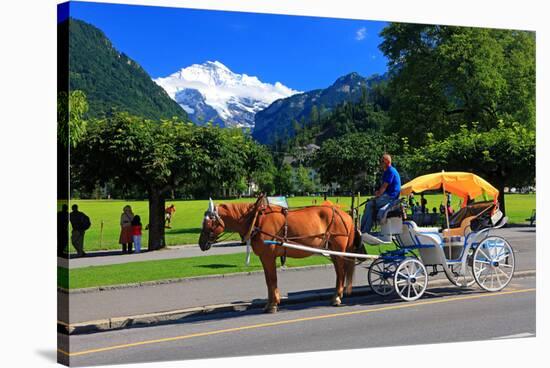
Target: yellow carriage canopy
(463, 184)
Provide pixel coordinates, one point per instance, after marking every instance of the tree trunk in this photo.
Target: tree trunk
(501, 202)
(157, 203)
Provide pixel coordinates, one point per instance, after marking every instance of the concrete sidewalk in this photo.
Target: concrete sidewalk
(108, 257)
(193, 293)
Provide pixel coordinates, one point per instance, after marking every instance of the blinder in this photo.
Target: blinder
(215, 221)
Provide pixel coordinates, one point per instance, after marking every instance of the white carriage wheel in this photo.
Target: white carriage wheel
(410, 279)
(494, 264)
(465, 280)
(380, 277)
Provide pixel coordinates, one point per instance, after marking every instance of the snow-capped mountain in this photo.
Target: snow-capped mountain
(212, 92)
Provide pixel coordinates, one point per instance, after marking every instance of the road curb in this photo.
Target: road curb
(149, 319)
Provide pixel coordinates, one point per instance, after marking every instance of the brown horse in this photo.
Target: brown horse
(315, 226)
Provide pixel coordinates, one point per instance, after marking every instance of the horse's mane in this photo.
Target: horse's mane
(238, 208)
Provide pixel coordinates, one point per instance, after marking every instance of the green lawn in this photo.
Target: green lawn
(168, 269)
(188, 217)
(176, 268)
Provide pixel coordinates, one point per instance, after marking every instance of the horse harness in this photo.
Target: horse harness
(260, 211)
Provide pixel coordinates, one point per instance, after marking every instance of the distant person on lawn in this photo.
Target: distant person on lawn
(169, 213)
(63, 231)
(80, 223)
(126, 229)
(423, 203)
(388, 192)
(136, 233)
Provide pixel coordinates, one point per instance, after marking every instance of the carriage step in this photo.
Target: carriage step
(373, 240)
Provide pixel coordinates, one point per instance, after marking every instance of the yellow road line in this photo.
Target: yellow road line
(290, 321)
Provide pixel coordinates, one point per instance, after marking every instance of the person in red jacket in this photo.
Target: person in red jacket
(136, 233)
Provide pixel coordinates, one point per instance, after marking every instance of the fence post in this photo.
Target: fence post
(101, 235)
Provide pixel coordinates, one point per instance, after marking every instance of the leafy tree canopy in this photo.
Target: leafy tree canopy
(353, 159)
(71, 125)
(443, 76)
(504, 156)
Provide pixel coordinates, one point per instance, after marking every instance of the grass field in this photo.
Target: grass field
(134, 272)
(187, 220)
(168, 269)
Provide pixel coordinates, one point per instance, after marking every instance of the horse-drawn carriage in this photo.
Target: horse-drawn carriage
(464, 250)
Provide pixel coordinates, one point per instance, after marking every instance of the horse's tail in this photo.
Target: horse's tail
(349, 263)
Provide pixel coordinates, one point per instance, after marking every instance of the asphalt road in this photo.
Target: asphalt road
(442, 315)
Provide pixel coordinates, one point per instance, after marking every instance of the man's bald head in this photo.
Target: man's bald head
(386, 158)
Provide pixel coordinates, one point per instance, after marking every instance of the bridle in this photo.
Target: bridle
(212, 215)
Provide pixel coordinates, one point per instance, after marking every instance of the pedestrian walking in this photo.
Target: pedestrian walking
(63, 231)
(136, 233)
(80, 223)
(126, 229)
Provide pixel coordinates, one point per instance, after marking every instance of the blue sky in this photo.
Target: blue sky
(303, 53)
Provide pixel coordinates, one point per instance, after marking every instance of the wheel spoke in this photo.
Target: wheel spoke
(504, 256)
(480, 261)
(376, 272)
(504, 273)
(482, 252)
(403, 275)
(478, 273)
(498, 278)
(414, 269)
(486, 276)
(374, 281)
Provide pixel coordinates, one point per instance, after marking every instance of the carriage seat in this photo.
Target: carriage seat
(390, 210)
(412, 234)
(473, 217)
(390, 218)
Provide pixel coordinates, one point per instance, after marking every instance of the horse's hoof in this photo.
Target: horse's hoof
(336, 301)
(270, 309)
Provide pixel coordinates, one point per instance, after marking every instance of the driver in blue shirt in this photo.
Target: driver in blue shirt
(388, 192)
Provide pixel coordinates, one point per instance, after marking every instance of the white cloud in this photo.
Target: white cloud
(361, 34)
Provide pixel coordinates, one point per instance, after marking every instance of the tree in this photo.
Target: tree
(71, 125)
(504, 156)
(352, 160)
(134, 151)
(443, 76)
(222, 164)
(283, 179)
(303, 182)
(259, 166)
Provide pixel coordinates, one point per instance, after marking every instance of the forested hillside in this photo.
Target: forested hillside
(111, 80)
